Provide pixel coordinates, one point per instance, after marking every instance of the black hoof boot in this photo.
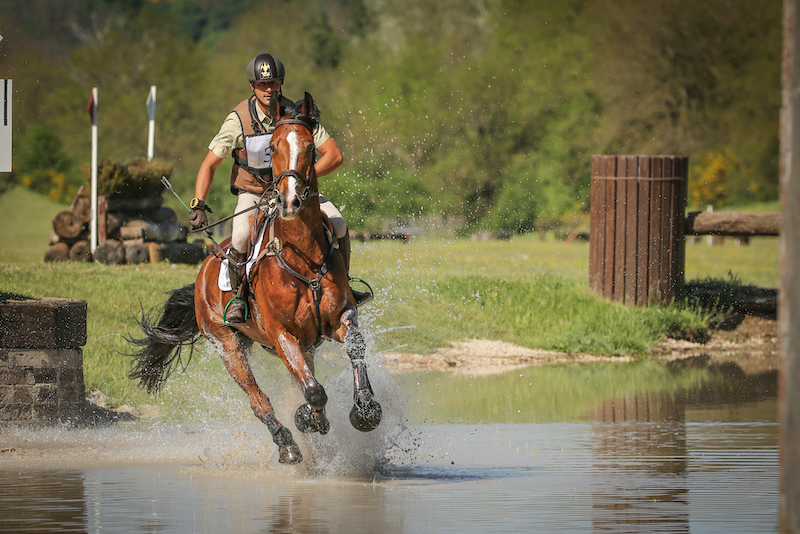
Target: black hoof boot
(307, 419)
(289, 452)
(290, 455)
(366, 413)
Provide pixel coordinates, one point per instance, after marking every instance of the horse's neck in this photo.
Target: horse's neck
(305, 233)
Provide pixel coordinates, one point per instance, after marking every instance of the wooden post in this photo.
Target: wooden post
(789, 294)
(636, 239)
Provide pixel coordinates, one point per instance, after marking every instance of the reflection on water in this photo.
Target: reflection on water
(701, 457)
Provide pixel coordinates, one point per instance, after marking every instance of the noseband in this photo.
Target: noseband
(307, 192)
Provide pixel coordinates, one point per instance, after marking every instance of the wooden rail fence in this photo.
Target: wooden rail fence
(638, 229)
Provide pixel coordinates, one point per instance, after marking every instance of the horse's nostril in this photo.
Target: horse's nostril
(296, 203)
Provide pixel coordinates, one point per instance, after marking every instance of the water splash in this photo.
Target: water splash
(345, 451)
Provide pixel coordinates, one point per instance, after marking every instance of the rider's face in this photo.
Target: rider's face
(265, 90)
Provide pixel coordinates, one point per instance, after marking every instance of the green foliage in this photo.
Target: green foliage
(42, 165)
(711, 176)
(326, 45)
(138, 178)
(476, 114)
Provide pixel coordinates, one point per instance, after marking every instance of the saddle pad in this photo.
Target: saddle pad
(224, 278)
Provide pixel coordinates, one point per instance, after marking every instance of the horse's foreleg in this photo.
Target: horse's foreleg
(235, 360)
(310, 417)
(366, 413)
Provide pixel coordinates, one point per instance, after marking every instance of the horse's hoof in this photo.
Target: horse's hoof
(365, 416)
(306, 419)
(290, 454)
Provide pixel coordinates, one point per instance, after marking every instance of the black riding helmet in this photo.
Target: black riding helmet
(265, 67)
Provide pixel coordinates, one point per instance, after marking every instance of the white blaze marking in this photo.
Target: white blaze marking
(294, 149)
(294, 158)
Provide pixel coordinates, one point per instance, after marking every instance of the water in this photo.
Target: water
(702, 457)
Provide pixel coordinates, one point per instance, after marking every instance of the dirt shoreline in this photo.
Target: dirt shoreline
(752, 345)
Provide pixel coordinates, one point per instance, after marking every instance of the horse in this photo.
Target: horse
(299, 296)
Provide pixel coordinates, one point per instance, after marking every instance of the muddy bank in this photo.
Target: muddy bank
(752, 344)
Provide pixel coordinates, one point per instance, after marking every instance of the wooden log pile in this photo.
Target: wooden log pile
(133, 225)
(70, 238)
(143, 230)
(129, 231)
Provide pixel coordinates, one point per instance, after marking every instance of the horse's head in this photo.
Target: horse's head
(293, 155)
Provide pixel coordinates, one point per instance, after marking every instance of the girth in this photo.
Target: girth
(275, 248)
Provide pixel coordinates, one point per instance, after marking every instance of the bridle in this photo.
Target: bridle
(273, 248)
(276, 180)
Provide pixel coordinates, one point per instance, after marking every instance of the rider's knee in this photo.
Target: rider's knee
(339, 225)
(239, 240)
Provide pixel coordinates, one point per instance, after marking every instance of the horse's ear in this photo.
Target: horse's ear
(308, 106)
(274, 109)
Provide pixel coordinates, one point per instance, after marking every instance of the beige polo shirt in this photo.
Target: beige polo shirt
(230, 136)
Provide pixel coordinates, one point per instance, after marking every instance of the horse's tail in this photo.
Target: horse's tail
(158, 354)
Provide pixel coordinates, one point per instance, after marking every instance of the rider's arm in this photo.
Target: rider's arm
(206, 175)
(331, 157)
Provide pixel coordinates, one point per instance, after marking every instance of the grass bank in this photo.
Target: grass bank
(528, 290)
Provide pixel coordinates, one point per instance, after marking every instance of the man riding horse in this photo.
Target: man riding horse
(245, 135)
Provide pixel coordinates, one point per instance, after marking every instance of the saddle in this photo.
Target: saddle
(261, 228)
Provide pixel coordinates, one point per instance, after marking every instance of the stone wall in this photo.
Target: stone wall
(41, 361)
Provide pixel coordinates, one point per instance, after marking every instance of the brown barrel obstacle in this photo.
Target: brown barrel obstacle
(636, 242)
(41, 361)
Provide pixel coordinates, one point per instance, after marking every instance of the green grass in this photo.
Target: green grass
(28, 224)
(528, 290)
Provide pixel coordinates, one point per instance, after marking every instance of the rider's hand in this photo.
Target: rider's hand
(198, 219)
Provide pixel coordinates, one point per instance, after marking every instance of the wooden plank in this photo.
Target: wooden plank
(654, 232)
(678, 230)
(642, 234)
(789, 312)
(631, 229)
(610, 215)
(667, 220)
(733, 223)
(619, 230)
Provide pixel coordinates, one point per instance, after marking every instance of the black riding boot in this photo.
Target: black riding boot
(236, 312)
(361, 297)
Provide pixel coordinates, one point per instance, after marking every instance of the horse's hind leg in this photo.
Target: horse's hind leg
(366, 413)
(233, 350)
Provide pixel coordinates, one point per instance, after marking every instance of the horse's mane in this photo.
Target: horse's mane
(295, 111)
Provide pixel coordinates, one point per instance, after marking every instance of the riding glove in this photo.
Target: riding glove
(198, 218)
